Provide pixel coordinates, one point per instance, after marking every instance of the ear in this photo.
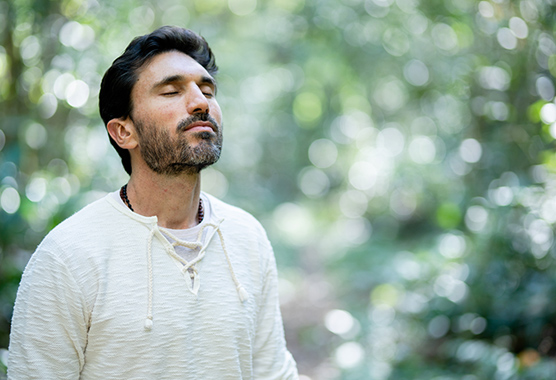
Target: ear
(122, 132)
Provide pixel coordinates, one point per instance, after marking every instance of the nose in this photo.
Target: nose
(196, 101)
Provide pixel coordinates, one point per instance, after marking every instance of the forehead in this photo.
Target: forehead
(170, 63)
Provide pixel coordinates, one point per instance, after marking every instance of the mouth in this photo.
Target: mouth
(200, 126)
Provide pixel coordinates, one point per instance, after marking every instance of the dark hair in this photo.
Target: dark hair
(119, 79)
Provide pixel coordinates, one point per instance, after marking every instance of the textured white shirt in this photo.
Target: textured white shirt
(86, 294)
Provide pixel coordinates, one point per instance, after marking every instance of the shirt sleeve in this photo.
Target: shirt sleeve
(49, 326)
(271, 359)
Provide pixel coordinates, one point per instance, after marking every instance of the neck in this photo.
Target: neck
(174, 200)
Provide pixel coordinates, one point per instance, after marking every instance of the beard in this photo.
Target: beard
(169, 155)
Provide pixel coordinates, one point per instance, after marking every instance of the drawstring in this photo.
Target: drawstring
(149, 320)
(242, 293)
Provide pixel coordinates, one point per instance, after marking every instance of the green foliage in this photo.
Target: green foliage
(399, 153)
(448, 215)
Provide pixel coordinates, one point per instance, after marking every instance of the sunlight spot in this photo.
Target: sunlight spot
(36, 189)
(422, 150)
(519, 27)
(242, 7)
(339, 321)
(476, 218)
(506, 38)
(349, 355)
(10, 200)
(323, 153)
(36, 136)
(470, 150)
(452, 246)
(416, 72)
(548, 113)
(77, 93)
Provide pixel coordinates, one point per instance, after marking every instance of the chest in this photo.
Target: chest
(180, 317)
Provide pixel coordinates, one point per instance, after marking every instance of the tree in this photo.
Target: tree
(398, 152)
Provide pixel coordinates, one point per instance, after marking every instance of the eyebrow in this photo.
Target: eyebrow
(178, 78)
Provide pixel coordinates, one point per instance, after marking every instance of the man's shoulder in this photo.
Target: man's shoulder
(226, 210)
(97, 215)
(97, 209)
(233, 214)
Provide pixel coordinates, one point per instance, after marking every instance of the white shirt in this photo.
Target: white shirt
(84, 298)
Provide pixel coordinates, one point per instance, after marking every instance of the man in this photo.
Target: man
(157, 280)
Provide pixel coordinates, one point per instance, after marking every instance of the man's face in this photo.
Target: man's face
(176, 116)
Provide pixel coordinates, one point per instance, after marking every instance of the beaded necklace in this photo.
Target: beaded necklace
(123, 195)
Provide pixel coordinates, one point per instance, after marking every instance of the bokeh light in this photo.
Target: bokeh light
(400, 155)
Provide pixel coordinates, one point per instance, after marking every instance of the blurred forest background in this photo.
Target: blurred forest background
(400, 154)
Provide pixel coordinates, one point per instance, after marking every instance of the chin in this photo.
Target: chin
(205, 135)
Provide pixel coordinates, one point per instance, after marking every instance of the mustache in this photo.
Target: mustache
(195, 118)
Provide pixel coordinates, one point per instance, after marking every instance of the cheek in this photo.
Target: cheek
(165, 109)
(215, 112)
(163, 115)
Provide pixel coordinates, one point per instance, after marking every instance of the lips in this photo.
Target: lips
(198, 123)
(200, 126)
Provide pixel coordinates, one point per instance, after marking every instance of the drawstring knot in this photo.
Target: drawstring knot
(149, 323)
(243, 295)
